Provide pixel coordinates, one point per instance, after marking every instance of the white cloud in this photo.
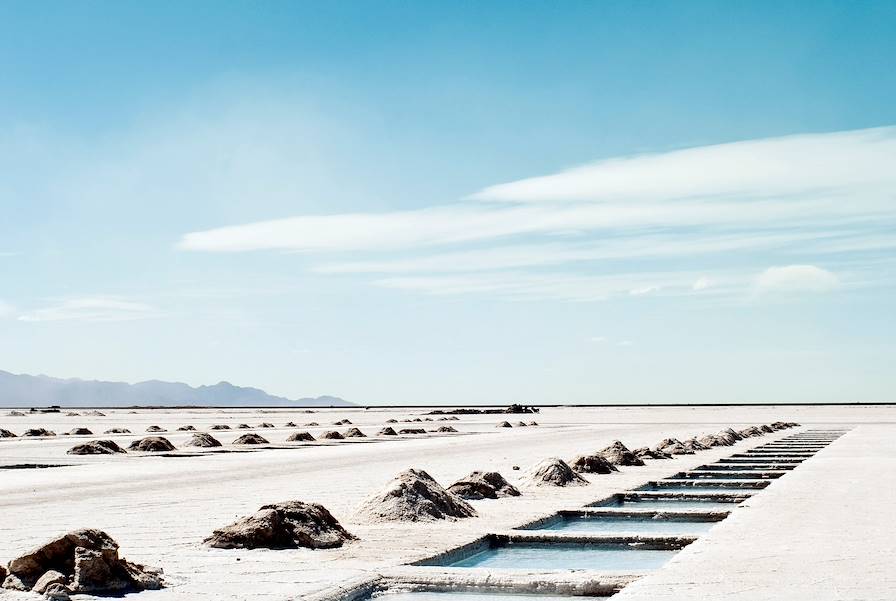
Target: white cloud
(765, 168)
(625, 343)
(701, 284)
(94, 309)
(6, 309)
(598, 339)
(798, 196)
(796, 278)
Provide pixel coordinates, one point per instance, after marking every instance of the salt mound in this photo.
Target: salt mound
(80, 432)
(156, 429)
(413, 496)
(84, 562)
(554, 472)
(766, 429)
(387, 431)
(533, 423)
(289, 425)
(6, 434)
(244, 427)
(15, 414)
(521, 424)
(300, 437)
(673, 446)
(96, 447)
(311, 424)
(483, 485)
(250, 438)
(152, 444)
(446, 429)
(72, 414)
(332, 435)
(38, 432)
(732, 433)
(95, 413)
(203, 440)
(592, 464)
(694, 445)
(504, 425)
(354, 433)
(725, 436)
(412, 431)
(220, 427)
(117, 431)
(713, 440)
(647, 453)
(391, 421)
(750, 432)
(286, 525)
(619, 454)
(266, 425)
(187, 429)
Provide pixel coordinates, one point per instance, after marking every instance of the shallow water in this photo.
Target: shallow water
(523, 556)
(699, 489)
(465, 596)
(673, 504)
(613, 525)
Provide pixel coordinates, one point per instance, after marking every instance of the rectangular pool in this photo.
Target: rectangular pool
(604, 524)
(567, 556)
(470, 596)
(670, 503)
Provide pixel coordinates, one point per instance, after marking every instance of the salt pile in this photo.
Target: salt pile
(554, 472)
(38, 432)
(592, 464)
(250, 438)
(648, 453)
(483, 485)
(413, 496)
(287, 525)
(300, 437)
(203, 440)
(619, 454)
(96, 447)
(153, 444)
(84, 562)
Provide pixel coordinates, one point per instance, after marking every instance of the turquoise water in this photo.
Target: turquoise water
(673, 504)
(525, 556)
(614, 525)
(699, 489)
(466, 596)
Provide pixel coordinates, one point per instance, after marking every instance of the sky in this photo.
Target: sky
(464, 202)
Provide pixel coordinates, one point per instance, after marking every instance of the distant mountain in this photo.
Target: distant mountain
(22, 390)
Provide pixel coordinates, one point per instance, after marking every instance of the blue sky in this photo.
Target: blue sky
(460, 202)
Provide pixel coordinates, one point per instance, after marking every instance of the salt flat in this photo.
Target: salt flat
(160, 508)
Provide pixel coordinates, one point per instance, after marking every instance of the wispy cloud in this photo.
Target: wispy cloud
(93, 309)
(791, 166)
(797, 196)
(796, 278)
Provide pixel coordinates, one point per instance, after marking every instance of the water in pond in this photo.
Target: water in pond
(671, 504)
(528, 556)
(614, 525)
(737, 490)
(465, 596)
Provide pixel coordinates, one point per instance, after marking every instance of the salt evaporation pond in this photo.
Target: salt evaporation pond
(617, 525)
(670, 504)
(564, 556)
(464, 596)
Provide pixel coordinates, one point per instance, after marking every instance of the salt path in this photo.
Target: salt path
(820, 532)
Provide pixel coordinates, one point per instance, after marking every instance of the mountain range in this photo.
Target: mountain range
(23, 390)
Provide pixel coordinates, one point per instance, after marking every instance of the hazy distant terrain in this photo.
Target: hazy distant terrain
(22, 390)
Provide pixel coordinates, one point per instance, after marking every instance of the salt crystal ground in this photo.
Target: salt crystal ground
(822, 532)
